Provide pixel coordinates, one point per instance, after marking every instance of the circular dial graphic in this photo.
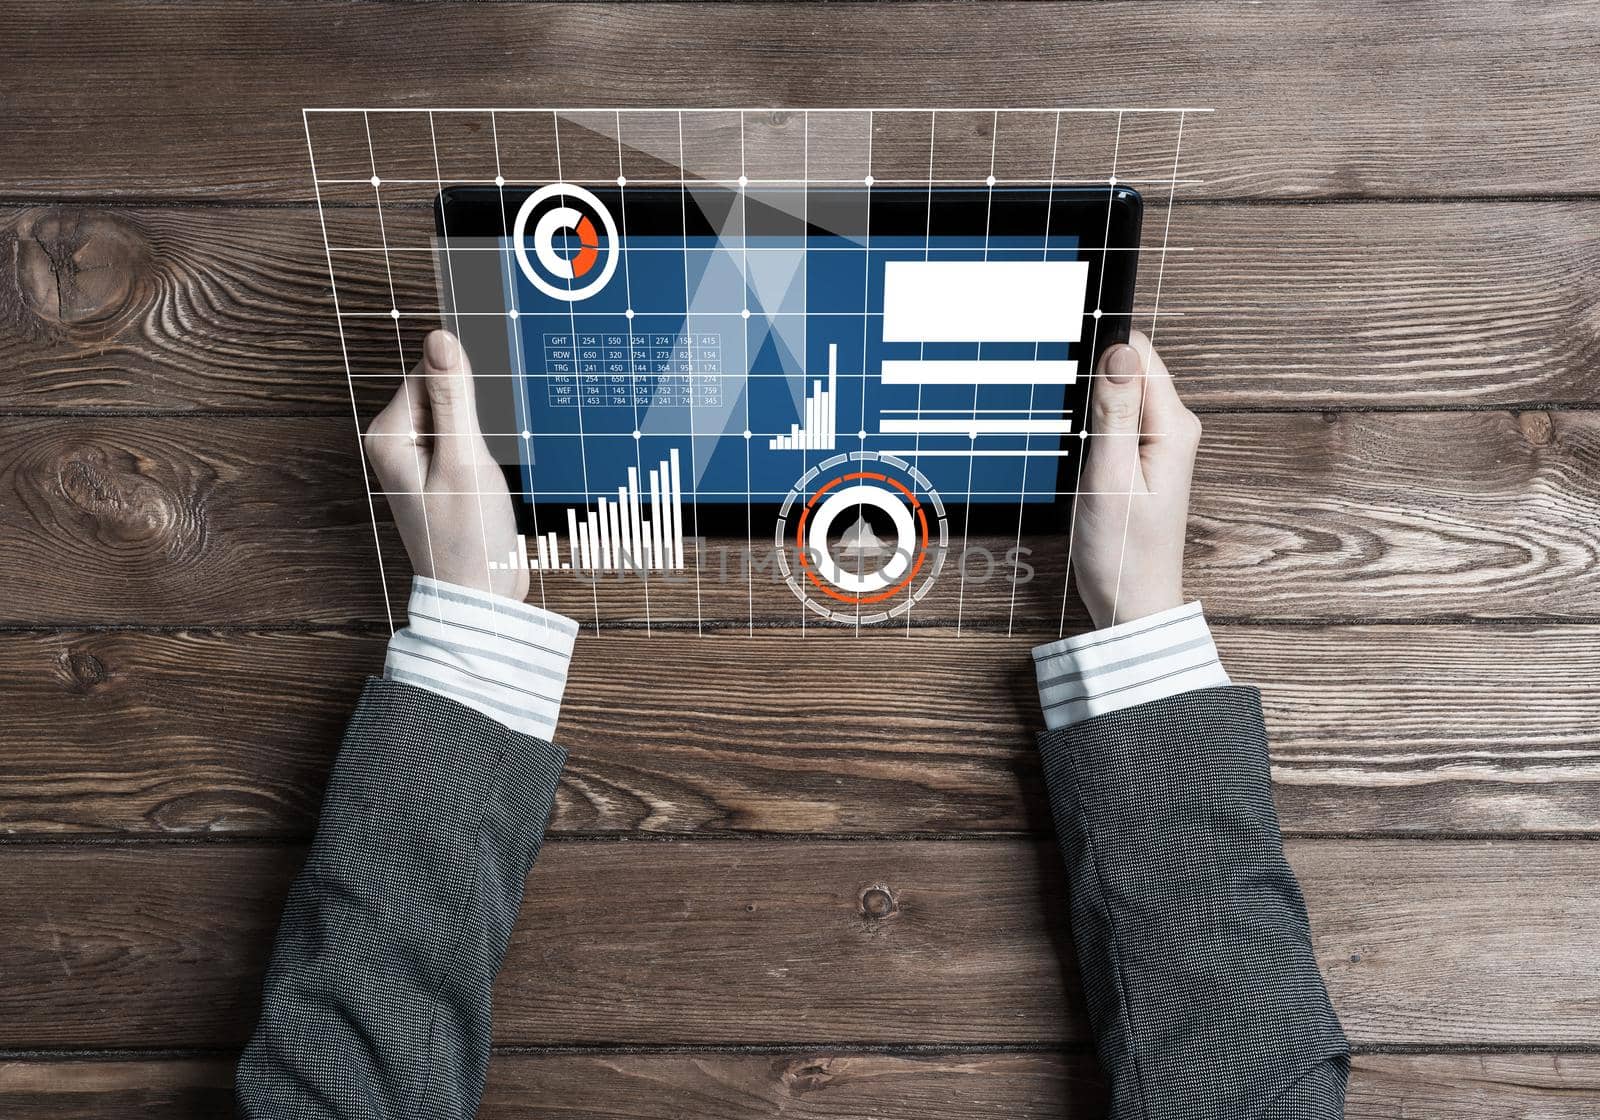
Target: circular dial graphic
(562, 207)
(861, 537)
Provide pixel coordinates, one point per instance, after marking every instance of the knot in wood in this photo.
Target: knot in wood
(877, 903)
(1537, 428)
(120, 503)
(805, 1075)
(82, 669)
(79, 268)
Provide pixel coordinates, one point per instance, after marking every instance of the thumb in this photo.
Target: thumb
(1118, 392)
(448, 377)
(1115, 402)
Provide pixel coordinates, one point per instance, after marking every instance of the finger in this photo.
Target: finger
(392, 444)
(452, 405)
(1171, 431)
(1162, 411)
(1114, 426)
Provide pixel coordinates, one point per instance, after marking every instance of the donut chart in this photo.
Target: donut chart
(561, 207)
(867, 534)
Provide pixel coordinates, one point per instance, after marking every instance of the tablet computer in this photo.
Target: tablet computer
(653, 362)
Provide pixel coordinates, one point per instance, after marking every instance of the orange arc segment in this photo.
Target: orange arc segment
(800, 536)
(590, 240)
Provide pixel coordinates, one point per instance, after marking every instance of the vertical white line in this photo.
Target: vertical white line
(577, 366)
(544, 555)
(572, 536)
(744, 350)
(922, 347)
(866, 307)
(399, 344)
(633, 368)
(1094, 341)
(461, 359)
(688, 332)
(972, 458)
(1155, 321)
(1022, 498)
(366, 479)
(519, 368)
(605, 533)
(805, 297)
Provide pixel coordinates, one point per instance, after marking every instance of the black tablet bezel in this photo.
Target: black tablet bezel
(1110, 216)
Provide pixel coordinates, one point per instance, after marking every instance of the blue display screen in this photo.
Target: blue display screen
(754, 361)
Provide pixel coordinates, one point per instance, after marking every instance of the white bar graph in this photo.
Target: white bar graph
(983, 425)
(675, 511)
(613, 536)
(938, 372)
(655, 522)
(819, 426)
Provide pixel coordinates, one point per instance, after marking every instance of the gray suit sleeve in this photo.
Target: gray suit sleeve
(377, 999)
(1193, 943)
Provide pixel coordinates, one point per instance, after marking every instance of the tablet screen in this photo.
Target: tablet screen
(735, 340)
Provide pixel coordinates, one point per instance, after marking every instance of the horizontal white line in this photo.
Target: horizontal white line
(612, 111)
(556, 497)
(979, 372)
(730, 244)
(1042, 184)
(679, 313)
(914, 453)
(929, 425)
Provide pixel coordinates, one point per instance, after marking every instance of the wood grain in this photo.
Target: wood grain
(823, 1085)
(763, 942)
(1480, 304)
(1500, 103)
(1398, 729)
(1295, 516)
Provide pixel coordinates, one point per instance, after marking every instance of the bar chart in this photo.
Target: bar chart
(819, 426)
(616, 535)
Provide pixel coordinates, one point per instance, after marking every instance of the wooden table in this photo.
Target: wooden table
(775, 896)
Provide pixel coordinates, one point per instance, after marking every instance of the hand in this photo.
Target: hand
(447, 493)
(1128, 548)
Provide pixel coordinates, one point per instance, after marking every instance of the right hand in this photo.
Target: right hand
(1134, 507)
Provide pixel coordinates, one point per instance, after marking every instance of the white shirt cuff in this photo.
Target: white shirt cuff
(1130, 663)
(505, 659)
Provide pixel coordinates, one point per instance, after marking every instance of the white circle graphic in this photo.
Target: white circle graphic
(851, 497)
(562, 217)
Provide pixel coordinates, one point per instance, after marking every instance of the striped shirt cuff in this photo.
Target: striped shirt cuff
(505, 659)
(1130, 663)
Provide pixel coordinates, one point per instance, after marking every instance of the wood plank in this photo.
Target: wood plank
(1482, 110)
(1429, 729)
(1295, 516)
(823, 1085)
(893, 942)
(1481, 304)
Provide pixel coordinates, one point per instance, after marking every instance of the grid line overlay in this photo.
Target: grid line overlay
(823, 156)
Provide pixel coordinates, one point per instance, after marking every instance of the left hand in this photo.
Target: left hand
(447, 493)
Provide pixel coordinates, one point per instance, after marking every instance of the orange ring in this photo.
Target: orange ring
(922, 553)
